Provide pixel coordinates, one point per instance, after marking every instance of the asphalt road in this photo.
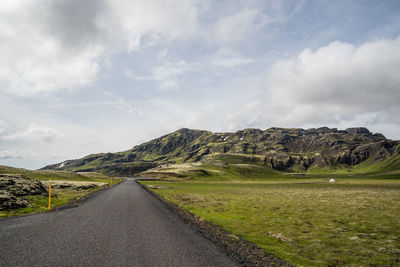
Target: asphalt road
(121, 226)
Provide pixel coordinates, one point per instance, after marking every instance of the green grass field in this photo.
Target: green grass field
(308, 222)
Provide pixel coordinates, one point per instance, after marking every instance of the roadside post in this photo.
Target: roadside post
(49, 194)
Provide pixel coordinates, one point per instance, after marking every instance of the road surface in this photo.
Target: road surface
(121, 226)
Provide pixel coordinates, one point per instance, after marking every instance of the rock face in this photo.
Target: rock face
(281, 149)
(15, 188)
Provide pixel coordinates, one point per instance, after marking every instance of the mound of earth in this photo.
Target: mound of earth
(14, 190)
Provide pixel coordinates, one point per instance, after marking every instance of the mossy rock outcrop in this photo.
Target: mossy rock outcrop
(15, 188)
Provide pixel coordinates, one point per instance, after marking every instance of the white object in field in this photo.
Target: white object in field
(332, 180)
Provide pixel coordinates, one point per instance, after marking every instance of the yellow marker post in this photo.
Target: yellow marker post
(49, 194)
(109, 182)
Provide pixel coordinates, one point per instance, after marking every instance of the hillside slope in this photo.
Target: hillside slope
(279, 149)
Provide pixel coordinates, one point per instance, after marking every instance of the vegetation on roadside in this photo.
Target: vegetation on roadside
(60, 196)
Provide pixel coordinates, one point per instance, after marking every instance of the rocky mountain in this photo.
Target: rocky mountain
(281, 149)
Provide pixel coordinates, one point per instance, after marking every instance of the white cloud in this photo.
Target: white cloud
(216, 117)
(3, 126)
(16, 154)
(120, 102)
(281, 11)
(246, 23)
(228, 58)
(58, 45)
(231, 61)
(169, 72)
(63, 44)
(339, 80)
(162, 54)
(36, 60)
(143, 22)
(166, 75)
(35, 132)
(237, 27)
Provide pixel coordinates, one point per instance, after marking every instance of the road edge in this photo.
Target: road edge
(242, 251)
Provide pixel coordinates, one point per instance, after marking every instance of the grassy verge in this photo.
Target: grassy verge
(307, 222)
(40, 203)
(61, 196)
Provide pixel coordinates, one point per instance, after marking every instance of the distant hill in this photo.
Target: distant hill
(45, 175)
(280, 149)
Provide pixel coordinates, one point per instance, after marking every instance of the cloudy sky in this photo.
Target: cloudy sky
(87, 76)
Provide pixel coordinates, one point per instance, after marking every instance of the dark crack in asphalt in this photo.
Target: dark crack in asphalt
(121, 226)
